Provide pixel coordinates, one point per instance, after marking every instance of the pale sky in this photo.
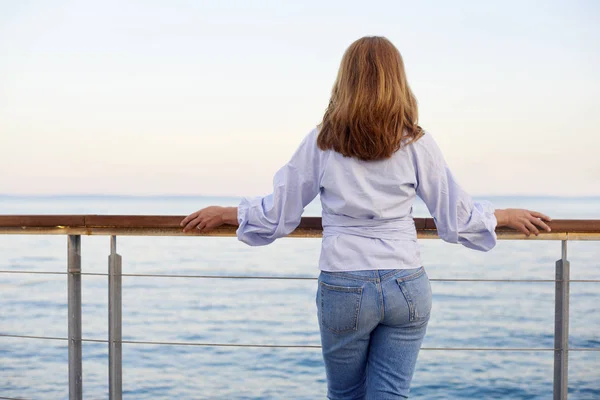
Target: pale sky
(212, 97)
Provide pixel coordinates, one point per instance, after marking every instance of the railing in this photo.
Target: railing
(76, 225)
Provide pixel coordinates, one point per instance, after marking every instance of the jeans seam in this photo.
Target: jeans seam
(408, 298)
(381, 304)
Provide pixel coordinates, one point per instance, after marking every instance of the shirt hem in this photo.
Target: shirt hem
(346, 268)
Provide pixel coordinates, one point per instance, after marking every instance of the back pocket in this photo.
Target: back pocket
(417, 292)
(340, 306)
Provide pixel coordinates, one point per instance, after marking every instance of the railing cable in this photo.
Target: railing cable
(290, 346)
(12, 398)
(284, 277)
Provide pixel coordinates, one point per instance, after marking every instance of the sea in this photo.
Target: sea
(283, 312)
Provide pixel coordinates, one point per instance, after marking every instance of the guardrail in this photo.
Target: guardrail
(127, 225)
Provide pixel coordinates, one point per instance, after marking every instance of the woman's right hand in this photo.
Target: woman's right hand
(524, 221)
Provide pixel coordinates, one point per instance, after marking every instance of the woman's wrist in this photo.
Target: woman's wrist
(501, 217)
(230, 215)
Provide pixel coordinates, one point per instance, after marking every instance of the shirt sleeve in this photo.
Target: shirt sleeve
(295, 185)
(458, 218)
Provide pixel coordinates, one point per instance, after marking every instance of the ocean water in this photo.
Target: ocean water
(465, 314)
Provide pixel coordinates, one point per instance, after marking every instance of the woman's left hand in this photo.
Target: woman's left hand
(209, 218)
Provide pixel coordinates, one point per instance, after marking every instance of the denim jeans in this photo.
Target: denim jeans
(372, 324)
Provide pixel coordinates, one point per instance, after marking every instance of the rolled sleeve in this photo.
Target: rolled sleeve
(457, 217)
(264, 219)
(479, 230)
(253, 235)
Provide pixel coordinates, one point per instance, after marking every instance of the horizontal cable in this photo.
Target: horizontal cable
(280, 277)
(12, 398)
(492, 280)
(300, 278)
(292, 346)
(51, 338)
(257, 345)
(318, 346)
(314, 278)
(50, 272)
(33, 337)
(33, 272)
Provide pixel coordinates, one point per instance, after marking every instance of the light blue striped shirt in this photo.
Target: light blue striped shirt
(367, 206)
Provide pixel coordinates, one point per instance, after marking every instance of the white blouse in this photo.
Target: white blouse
(367, 206)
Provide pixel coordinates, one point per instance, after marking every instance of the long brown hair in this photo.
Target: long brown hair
(372, 111)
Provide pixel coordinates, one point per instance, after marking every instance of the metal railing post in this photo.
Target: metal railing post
(74, 318)
(561, 326)
(115, 382)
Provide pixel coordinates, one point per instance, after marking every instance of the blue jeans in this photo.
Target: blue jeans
(372, 324)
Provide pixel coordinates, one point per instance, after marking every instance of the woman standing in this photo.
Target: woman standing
(368, 160)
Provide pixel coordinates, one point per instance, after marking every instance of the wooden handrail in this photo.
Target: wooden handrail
(169, 225)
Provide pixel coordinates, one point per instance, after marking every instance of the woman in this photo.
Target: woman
(368, 159)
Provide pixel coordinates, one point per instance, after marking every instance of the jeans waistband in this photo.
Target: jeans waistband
(375, 274)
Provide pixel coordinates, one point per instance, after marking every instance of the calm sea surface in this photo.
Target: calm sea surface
(465, 314)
